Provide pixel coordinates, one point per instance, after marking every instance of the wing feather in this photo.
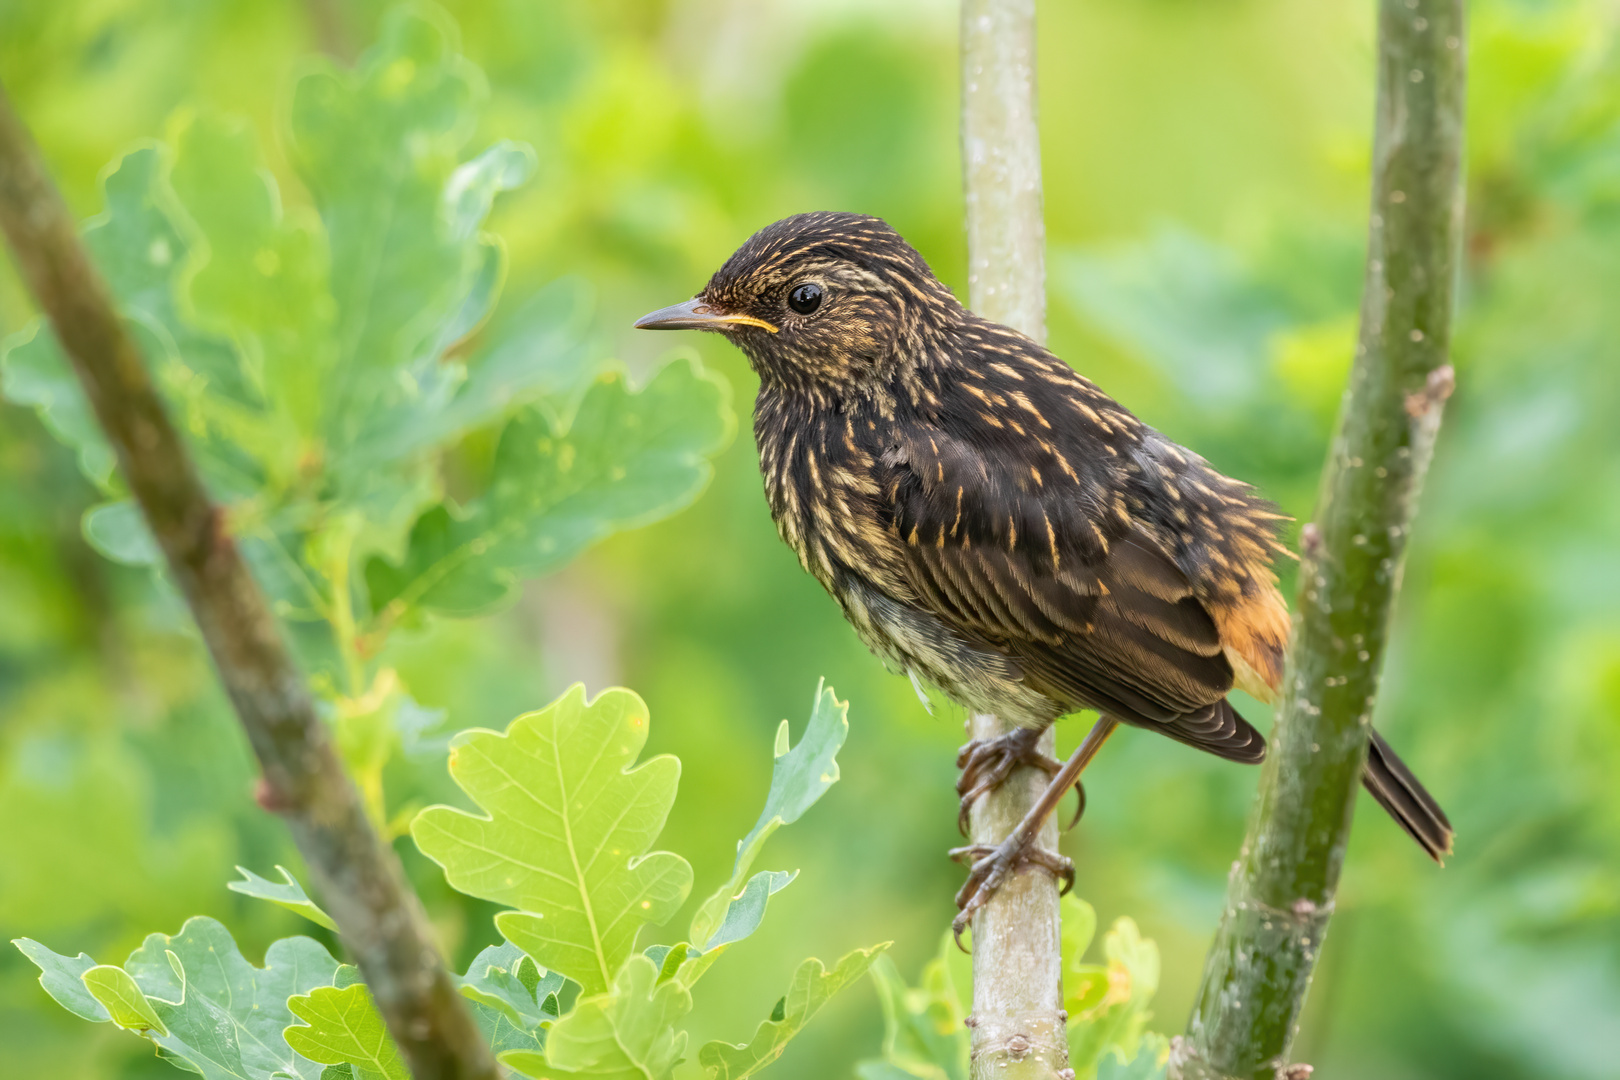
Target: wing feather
(1094, 609)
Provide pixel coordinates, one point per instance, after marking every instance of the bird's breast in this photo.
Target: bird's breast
(818, 468)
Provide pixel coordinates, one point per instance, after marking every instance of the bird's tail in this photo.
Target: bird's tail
(1398, 791)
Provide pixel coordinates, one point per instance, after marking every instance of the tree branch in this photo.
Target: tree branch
(380, 919)
(1018, 1020)
(1281, 893)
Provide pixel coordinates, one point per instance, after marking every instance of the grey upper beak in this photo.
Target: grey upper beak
(697, 314)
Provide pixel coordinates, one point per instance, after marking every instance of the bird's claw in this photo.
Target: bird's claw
(1079, 806)
(990, 869)
(986, 764)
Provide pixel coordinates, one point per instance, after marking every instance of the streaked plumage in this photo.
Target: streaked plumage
(988, 519)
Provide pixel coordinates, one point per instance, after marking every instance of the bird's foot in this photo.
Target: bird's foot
(991, 866)
(986, 764)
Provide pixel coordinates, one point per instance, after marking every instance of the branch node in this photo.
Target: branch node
(1436, 389)
(269, 797)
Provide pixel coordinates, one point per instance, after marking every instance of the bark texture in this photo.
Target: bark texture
(1018, 1020)
(1282, 887)
(360, 879)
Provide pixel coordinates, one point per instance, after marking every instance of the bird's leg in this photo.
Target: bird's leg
(986, 764)
(991, 865)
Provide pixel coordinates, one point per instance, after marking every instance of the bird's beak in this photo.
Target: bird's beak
(697, 314)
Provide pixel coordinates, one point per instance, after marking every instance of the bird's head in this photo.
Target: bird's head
(827, 301)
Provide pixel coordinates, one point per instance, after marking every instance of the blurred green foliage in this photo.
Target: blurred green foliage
(1206, 193)
(925, 1034)
(568, 816)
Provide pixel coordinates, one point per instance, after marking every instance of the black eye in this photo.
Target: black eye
(805, 298)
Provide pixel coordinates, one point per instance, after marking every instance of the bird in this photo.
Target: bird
(993, 523)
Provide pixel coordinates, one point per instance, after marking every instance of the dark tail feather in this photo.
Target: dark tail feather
(1398, 791)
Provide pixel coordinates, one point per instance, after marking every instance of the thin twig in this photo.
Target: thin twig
(380, 919)
(1018, 1021)
(1282, 888)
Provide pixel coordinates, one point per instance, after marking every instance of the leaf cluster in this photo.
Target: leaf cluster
(568, 819)
(325, 347)
(925, 1032)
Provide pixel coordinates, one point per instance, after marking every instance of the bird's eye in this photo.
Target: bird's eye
(805, 298)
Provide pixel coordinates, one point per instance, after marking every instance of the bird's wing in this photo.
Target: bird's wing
(1014, 550)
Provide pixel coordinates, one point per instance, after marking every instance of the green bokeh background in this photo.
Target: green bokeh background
(1206, 174)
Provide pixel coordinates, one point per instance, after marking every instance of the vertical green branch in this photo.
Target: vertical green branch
(380, 919)
(1018, 1023)
(1282, 888)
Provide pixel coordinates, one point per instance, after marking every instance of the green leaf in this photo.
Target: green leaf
(1084, 985)
(747, 910)
(343, 1027)
(304, 355)
(1079, 927)
(799, 776)
(375, 146)
(628, 1034)
(216, 1014)
(568, 825)
(923, 1031)
(143, 242)
(504, 978)
(34, 373)
(1113, 1026)
(538, 352)
(626, 458)
(60, 976)
(1150, 1062)
(511, 998)
(119, 531)
(123, 1000)
(878, 1069)
(812, 987)
(262, 280)
(289, 894)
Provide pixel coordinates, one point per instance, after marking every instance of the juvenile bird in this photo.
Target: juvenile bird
(992, 522)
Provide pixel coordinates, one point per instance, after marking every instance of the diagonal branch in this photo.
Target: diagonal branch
(1281, 893)
(1018, 1022)
(380, 919)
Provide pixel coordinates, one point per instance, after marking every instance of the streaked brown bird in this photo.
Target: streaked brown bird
(992, 522)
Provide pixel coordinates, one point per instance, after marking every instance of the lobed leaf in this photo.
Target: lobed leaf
(1110, 1026)
(812, 987)
(625, 458)
(746, 910)
(197, 999)
(62, 978)
(312, 360)
(625, 1034)
(924, 1034)
(504, 978)
(261, 281)
(341, 1026)
(289, 894)
(799, 776)
(568, 820)
(1084, 985)
(34, 373)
